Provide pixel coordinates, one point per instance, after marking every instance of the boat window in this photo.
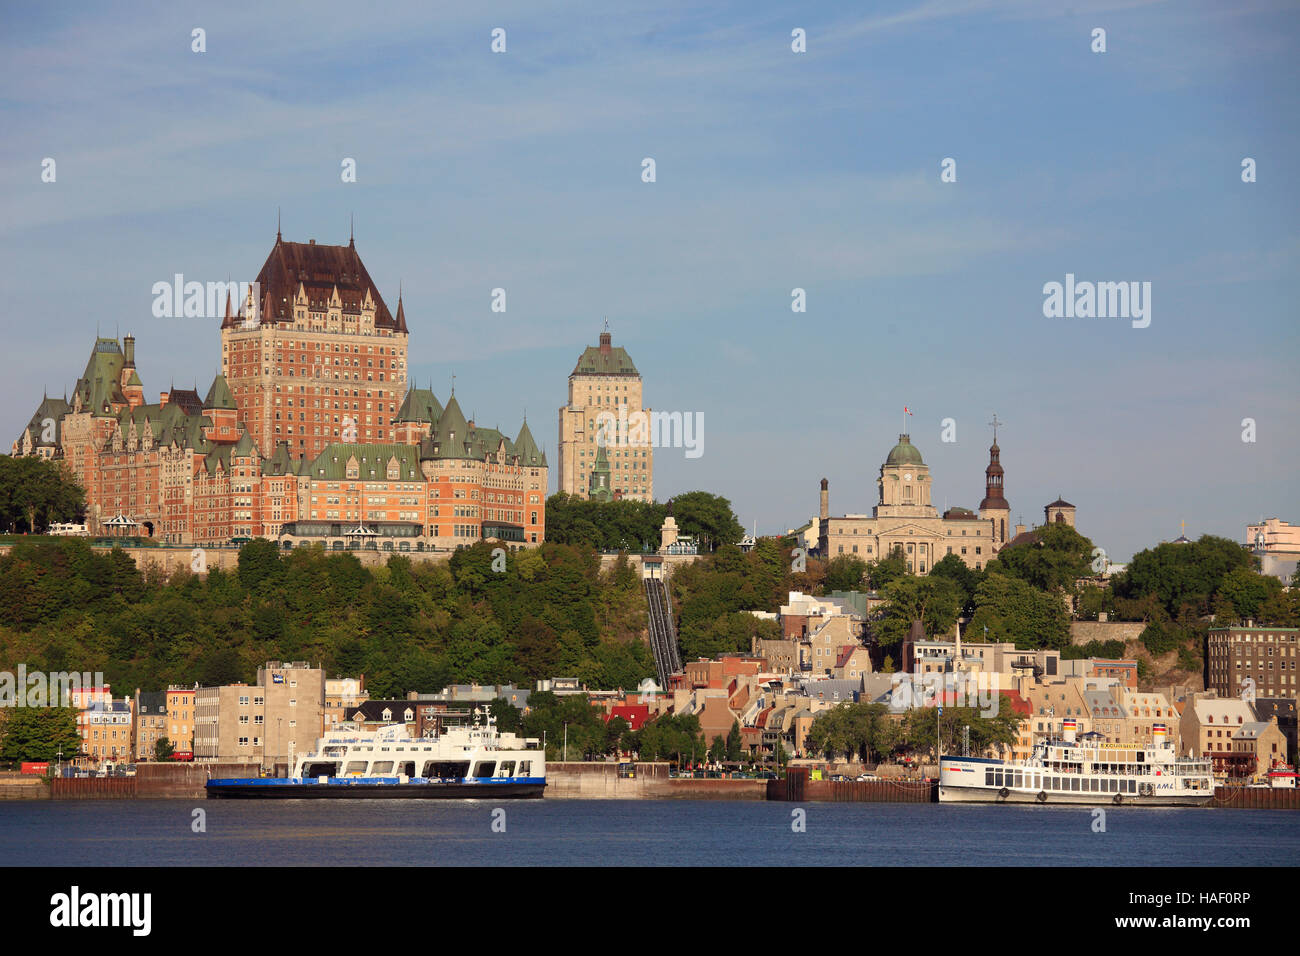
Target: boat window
(381, 767)
(997, 778)
(525, 768)
(507, 769)
(357, 768)
(485, 768)
(320, 770)
(988, 777)
(407, 768)
(1074, 784)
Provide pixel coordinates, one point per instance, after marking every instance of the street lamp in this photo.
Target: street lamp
(275, 771)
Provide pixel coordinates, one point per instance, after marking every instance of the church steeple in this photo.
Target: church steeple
(995, 506)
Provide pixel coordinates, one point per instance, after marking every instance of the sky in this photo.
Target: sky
(775, 170)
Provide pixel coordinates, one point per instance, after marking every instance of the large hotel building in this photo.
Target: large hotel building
(604, 382)
(309, 433)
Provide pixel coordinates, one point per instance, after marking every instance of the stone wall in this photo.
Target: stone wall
(1084, 632)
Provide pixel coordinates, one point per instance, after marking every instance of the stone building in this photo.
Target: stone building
(904, 518)
(271, 721)
(604, 382)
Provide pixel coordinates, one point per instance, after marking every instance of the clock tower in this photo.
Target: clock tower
(904, 484)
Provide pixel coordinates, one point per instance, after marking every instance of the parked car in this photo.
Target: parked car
(866, 776)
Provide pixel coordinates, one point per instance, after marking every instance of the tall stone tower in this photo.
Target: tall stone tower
(604, 382)
(904, 483)
(319, 358)
(994, 507)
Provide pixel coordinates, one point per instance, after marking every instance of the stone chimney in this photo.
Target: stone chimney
(163, 398)
(825, 511)
(606, 343)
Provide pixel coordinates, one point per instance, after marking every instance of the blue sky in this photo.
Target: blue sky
(775, 170)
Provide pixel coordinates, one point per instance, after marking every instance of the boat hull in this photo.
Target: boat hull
(951, 794)
(371, 789)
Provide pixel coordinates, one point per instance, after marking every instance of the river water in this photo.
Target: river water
(631, 833)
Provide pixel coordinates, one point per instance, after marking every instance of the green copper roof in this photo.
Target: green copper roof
(605, 359)
(904, 453)
(372, 462)
(526, 449)
(420, 405)
(53, 409)
(219, 394)
(99, 386)
(598, 485)
(280, 463)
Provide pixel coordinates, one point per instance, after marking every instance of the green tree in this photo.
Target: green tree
(1179, 574)
(36, 491)
(845, 572)
(934, 601)
(708, 517)
(40, 734)
(163, 749)
(735, 748)
(889, 568)
(1054, 559)
(1014, 610)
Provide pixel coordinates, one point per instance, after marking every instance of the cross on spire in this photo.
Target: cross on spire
(996, 425)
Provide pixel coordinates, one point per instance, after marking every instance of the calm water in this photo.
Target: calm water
(632, 832)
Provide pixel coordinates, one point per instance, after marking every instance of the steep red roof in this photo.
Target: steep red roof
(635, 714)
(318, 269)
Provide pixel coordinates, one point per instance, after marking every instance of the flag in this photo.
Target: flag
(907, 412)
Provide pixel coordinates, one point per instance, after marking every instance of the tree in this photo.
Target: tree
(1178, 574)
(163, 749)
(1014, 610)
(844, 573)
(1053, 559)
(35, 491)
(40, 734)
(887, 569)
(935, 602)
(708, 517)
(961, 574)
(735, 748)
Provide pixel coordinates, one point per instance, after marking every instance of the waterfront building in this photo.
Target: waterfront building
(308, 433)
(270, 721)
(1283, 711)
(604, 382)
(1258, 746)
(180, 720)
(1252, 661)
(150, 722)
(904, 519)
(340, 694)
(1208, 726)
(106, 731)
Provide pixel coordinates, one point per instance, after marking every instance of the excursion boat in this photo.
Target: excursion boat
(1067, 771)
(458, 762)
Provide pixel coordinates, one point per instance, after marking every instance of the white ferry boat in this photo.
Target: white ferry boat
(460, 762)
(1081, 772)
